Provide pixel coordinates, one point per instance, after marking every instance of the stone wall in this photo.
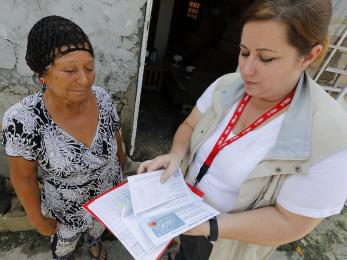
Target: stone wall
(113, 26)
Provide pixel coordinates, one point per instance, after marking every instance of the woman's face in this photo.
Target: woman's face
(71, 76)
(269, 66)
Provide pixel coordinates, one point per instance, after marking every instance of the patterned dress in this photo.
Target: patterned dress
(71, 173)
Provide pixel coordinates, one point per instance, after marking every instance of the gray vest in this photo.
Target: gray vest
(314, 127)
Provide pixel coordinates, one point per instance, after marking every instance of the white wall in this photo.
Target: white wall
(114, 28)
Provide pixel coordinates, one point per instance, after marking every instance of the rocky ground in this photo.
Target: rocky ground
(156, 129)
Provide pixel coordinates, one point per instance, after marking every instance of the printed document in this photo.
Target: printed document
(114, 210)
(166, 210)
(147, 192)
(163, 211)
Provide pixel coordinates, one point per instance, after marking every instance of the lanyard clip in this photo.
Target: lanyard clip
(203, 170)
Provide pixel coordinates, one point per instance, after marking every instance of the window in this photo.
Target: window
(193, 10)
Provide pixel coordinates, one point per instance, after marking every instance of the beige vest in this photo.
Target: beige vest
(314, 127)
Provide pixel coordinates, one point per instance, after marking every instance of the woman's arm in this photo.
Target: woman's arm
(179, 148)
(120, 153)
(267, 226)
(23, 175)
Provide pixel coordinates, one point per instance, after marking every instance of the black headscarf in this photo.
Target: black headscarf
(52, 37)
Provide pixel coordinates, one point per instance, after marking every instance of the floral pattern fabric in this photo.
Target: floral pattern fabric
(71, 173)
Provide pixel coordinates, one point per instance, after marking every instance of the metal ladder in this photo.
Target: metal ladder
(327, 67)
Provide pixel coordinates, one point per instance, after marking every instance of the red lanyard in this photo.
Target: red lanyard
(222, 142)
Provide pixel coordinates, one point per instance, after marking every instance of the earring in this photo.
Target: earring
(43, 84)
(39, 83)
(42, 81)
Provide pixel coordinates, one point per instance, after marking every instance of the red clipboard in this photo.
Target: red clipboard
(86, 207)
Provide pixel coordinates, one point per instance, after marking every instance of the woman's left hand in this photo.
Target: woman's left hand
(200, 230)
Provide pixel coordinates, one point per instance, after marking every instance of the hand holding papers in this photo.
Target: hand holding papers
(145, 214)
(167, 209)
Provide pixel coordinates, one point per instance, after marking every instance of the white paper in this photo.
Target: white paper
(166, 210)
(147, 192)
(148, 233)
(161, 225)
(115, 211)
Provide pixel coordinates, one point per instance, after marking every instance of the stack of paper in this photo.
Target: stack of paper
(145, 214)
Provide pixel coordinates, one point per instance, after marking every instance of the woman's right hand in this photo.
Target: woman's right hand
(47, 226)
(169, 161)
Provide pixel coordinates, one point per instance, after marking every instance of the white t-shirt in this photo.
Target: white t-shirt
(320, 193)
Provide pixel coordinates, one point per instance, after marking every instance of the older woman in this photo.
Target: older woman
(267, 146)
(70, 131)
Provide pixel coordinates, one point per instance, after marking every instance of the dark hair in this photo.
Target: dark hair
(307, 21)
(52, 37)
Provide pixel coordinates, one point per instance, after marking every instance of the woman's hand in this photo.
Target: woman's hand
(169, 161)
(47, 226)
(179, 148)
